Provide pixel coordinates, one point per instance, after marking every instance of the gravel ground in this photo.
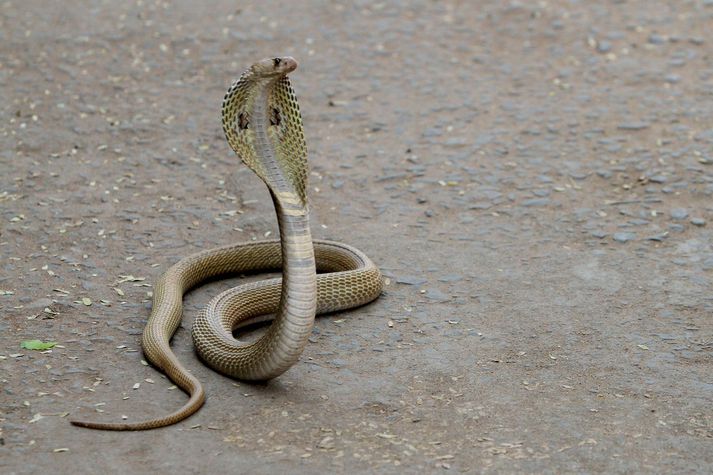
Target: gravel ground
(534, 178)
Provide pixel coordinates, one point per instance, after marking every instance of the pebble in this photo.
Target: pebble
(436, 295)
(655, 39)
(338, 362)
(638, 222)
(579, 176)
(708, 263)
(599, 234)
(679, 213)
(391, 176)
(536, 202)
(624, 237)
(658, 237)
(633, 126)
(698, 221)
(603, 46)
(672, 78)
(411, 280)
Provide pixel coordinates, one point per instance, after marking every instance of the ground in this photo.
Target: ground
(535, 180)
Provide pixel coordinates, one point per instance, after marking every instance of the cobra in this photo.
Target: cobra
(263, 125)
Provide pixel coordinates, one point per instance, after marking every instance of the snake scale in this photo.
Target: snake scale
(263, 125)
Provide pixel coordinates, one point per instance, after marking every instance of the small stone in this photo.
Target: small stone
(536, 202)
(698, 221)
(672, 78)
(411, 280)
(658, 179)
(658, 237)
(624, 237)
(338, 363)
(679, 228)
(679, 213)
(633, 126)
(579, 176)
(603, 46)
(599, 234)
(638, 222)
(456, 142)
(437, 295)
(655, 39)
(708, 263)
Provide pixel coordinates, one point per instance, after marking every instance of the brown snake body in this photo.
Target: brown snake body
(262, 123)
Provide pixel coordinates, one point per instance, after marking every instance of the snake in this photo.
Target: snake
(262, 123)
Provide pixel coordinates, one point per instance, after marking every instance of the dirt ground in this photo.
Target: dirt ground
(535, 179)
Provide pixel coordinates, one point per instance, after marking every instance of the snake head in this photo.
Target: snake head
(272, 68)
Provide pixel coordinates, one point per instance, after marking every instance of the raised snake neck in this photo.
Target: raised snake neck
(262, 123)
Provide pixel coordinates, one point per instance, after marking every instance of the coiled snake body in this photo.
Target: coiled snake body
(262, 123)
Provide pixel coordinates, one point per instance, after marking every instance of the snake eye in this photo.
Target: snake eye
(277, 61)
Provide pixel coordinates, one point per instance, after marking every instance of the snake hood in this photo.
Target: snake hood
(262, 122)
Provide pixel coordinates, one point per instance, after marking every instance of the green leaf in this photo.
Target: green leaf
(37, 345)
